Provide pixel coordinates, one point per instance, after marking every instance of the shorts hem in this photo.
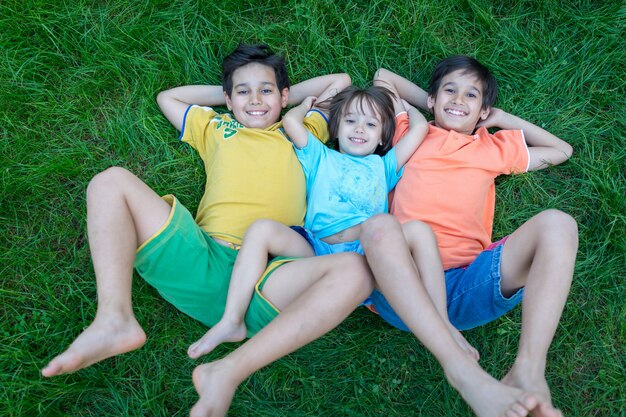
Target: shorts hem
(173, 202)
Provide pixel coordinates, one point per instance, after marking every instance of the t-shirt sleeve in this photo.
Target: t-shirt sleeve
(316, 123)
(310, 155)
(195, 124)
(402, 126)
(392, 174)
(514, 151)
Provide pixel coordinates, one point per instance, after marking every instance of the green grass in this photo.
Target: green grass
(78, 82)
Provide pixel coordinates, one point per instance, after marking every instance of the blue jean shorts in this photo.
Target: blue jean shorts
(473, 293)
(322, 248)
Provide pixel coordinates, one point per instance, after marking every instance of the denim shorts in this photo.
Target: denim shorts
(322, 248)
(473, 293)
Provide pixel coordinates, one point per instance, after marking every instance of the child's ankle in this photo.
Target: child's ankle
(526, 364)
(232, 320)
(458, 371)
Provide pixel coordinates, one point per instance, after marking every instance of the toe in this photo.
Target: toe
(519, 410)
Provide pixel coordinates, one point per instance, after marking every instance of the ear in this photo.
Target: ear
(229, 103)
(485, 113)
(284, 97)
(430, 102)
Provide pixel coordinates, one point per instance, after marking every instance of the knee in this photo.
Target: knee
(416, 231)
(107, 180)
(263, 227)
(354, 266)
(377, 229)
(262, 233)
(557, 225)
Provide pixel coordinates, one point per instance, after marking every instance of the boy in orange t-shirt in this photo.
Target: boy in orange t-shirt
(448, 184)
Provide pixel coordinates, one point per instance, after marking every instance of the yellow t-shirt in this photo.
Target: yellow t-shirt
(250, 173)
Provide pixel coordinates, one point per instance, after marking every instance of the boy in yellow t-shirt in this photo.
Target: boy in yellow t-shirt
(252, 173)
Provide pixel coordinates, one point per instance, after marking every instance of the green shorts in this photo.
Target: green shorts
(192, 271)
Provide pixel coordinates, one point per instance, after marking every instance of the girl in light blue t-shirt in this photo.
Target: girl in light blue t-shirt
(344, 188)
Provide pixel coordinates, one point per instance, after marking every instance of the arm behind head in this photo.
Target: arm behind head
(324, 88)
(402, 87)
(293, 122)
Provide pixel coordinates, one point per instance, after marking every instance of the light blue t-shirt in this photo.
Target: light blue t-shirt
(344, 190)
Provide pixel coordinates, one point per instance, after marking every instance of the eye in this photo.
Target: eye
(449, 90)
(471, 95)
(266, 91)
(370, 124)
(350, 121)
(242, 92)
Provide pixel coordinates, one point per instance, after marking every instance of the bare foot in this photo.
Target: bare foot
(536, 383)
(463, 343)
(489, 397)
(105, 337)
(223, 331)
(215, 387)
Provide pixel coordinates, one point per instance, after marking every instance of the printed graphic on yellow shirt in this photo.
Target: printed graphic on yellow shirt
(230, 127)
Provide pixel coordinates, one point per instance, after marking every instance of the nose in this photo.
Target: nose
(359, 127)
(255, 97)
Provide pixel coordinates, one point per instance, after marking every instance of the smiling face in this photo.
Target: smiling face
(458, 104)
(360, 129)
(256, 100)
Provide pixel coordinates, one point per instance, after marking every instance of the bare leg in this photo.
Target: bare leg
(314, 295)
(394, 272)
(121, 212)
(423, 246)
(540, 256)
(262, 237)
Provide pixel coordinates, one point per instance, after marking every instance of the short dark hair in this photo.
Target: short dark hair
(469, 65)
(379, 98)
(246, 54)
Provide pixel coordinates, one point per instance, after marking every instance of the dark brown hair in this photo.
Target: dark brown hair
(247, 54)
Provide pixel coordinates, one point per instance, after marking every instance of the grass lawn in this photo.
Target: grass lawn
(78, 81)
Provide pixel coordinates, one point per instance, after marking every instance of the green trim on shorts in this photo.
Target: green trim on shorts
(173, 202)
(192, 271)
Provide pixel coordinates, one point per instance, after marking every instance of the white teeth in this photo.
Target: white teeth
(256, 113)
(455, 112)
(357, 140)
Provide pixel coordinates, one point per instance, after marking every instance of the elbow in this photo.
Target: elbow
(343, 81)
(565, 153)
(288, 123)
(381, 74)
(161, 98)
(383, 78)
(380, 77)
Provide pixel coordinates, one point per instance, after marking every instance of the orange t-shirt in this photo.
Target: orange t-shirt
(449, 184)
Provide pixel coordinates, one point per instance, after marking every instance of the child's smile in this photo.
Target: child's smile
(455, 112)
(458, 103)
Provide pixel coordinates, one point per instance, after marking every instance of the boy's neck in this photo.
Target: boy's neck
(434, 123)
